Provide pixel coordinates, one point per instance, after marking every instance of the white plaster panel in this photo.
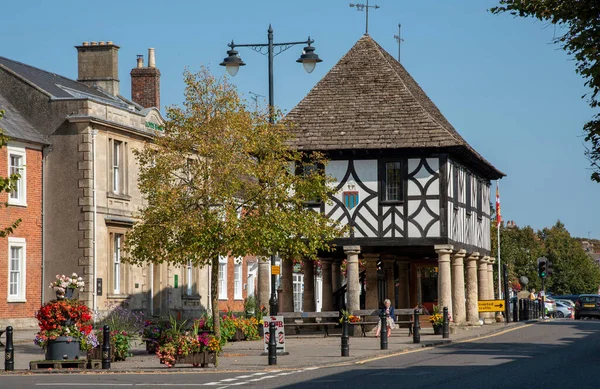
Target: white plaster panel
(413, 231)
(412, 189)
(366, 170)
(337, 170)
(434, 231)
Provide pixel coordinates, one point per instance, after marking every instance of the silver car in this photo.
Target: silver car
(564, 310)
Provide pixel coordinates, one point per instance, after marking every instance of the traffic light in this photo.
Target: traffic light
(549, 269)
(542, 267)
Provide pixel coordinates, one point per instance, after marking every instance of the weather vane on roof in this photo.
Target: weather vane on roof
(399, 40)
(363, 7)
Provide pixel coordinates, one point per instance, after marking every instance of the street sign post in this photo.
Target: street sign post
(279, 333)
(491, 305)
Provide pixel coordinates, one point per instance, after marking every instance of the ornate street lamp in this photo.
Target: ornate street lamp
(232, 64)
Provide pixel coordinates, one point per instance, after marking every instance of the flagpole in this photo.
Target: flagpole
(499, 220)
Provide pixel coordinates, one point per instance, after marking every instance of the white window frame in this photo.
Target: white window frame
(20, 152)
(117, 166)
(223, 277)
(20, 296)
(298, 291)
(237, 279)
(190, 278)
(117, 268)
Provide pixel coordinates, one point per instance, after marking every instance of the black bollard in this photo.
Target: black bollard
(416, 328)
(383, 332)
(106, 347)
(272, 344)
(445, 324)
(345, 338)
(9, 351)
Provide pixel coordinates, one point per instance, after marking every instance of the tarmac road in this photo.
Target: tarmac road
(560, 353)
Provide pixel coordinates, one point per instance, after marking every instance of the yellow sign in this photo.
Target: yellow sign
(491, 305)
(275, 270)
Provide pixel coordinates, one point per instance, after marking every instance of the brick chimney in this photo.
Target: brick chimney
(98, 64)
(145, 82)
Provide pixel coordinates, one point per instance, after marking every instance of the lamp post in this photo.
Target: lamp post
(232, 64)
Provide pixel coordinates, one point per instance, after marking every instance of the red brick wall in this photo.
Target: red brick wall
(30, 229)
(145, 87)
(231, 303)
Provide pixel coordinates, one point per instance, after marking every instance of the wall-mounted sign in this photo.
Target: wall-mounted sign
(176, 281)
(154, 126)
(98, 286)
(351, 199)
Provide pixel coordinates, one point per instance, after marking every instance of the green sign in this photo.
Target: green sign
(176, 281)
(154, 126)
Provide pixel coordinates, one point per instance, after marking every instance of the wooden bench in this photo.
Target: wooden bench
(293, 317)
(369, 313)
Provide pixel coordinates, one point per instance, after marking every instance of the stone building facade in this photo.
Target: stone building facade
(86, 133)
(413, 192)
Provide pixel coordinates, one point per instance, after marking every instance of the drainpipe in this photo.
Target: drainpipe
(151, 290)
(95, 292)
(45, 151)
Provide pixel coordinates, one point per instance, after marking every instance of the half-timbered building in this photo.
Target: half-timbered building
(414, 193)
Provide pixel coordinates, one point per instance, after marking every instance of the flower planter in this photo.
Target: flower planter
(151, 346)
(62, 348)
(437, 329)
(238, 336)
(202, 359)
(96, 353)
(69, 292)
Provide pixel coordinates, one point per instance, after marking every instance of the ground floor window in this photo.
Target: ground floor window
(427, 285)
(222, 278)
(237, 279)
(298, 292)
(16, 269)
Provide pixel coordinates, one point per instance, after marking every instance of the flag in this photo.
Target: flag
(498, 215)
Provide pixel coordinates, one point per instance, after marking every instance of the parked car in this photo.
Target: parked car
(550, 306)
(588, 305)
(572, 297)
(568, 303)
(564, 310)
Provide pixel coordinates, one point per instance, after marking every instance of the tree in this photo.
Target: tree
(580, 21)
(7, 184)
(573, 270)
(221, 180)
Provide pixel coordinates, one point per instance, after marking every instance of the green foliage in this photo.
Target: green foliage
(7, 184)
(573, 270)
(250, 306)
(218, 182)
(580, 21)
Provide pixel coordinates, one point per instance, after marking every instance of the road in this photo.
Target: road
(561, 353)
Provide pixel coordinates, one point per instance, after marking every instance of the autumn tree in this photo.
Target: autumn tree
(579, 23)
(6, 185)
(221, 180)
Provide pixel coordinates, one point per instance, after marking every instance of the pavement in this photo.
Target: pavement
(310, 350)
(546, 354)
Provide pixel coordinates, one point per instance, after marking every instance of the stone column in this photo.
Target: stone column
(286, 298)
(327, 297)
(352, 270)
(264, 282)
(482, 282)
(472, 306)
(388, 266)
(492, 291)
(372, 298)
(444, 276)
(353, 293)
(308, 303)
(404, 285)
(458, 288)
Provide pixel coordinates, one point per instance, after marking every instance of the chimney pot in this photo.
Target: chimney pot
(109, 43)
(140, 61)
(94, 43)
(102, 43)
(86, 43)
(151, 58)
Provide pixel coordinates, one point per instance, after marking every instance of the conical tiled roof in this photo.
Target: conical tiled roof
(369, 101)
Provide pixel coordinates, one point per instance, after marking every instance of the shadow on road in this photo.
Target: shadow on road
(554, 354)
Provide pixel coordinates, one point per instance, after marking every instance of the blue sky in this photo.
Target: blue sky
(510, 93)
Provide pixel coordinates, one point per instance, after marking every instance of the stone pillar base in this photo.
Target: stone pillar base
(489, 320)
